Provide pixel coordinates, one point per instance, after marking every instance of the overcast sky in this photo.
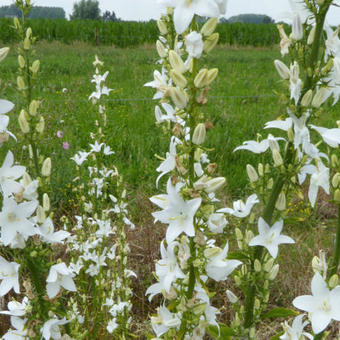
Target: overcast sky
(147, 9)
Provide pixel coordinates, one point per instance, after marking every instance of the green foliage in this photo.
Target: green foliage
(86, 9)
(36, 12)
(252, 19)
(279, 312)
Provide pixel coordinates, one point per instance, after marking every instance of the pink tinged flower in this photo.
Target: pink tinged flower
(50, 329)
(66, 145)
(330, 136)
(296, 331)
(218, 267)
(5, 106)
(194, 44)
(323, 305)
(240, 209)
(270, 237)
(9, 276)
(9, 173)
(60, 134)
(59, 276)
(164, 321)
(178, 214)
(167, 269)
(14, 220)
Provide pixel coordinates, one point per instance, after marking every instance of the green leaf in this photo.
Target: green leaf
(225, 332)
(237, 256)
(277, 337)
(279, 312)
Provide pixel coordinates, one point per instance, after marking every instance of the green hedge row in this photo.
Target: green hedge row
(125, 34)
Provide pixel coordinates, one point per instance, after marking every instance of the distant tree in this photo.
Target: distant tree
(36, 12)
(252, 18)
(109, 16)
(86, 9)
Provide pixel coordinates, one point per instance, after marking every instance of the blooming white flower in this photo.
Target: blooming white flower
(330, 136)
(14, 219)
(59, 276)
(164, 321)
(160, 83)
(240, 209)
(9, 276)
(177, 213)
(50, 329)
(46, 231)
(216, 223)
(80, 157)
(218, 267)
(295, 332)
(323, 305)
(112, 325)
(295, 82)
(185, 10)
(194, 44)
(259, 147)
(5, 106)
(16, 308)
(270, 237)
(19, 332)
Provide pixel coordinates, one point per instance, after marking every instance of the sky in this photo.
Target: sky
(143, 10)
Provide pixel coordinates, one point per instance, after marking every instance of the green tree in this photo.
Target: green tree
(86, 9)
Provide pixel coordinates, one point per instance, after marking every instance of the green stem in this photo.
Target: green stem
(336, 258)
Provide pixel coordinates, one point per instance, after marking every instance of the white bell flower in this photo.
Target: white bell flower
(240, 209)
(50, 329)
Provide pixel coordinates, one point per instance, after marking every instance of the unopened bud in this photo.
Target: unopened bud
(260, 169)
(178, 78)
(46, 202)
(161, 49)
(281, 202)
(278, 161)
(46, 167)
(209, 27)
(176, 62)
(282, 69)
(33, 108)
(297, 28)
(252, 174)
(35, 66)
(337, 196)
(231, 296)
(328, 67)
(16, 22)
(41, 214)
(336, 180)
(27, 44)
(162, 27)
(3, 53)
(199, 134)
(257, 306)
(307, 98)
(28, 32)
(334, 161)
(311, 35)
(212, 252)
(320, 97)
(201, 78)
(21, 83)
(40, 127)
(269, 265)
(211, 76)
(211, 42)
(320, 2)
(214, 184)
(23, 123)
(333, 281)
(179, 97)
(257, 265)
(21, 61)
(274, 271)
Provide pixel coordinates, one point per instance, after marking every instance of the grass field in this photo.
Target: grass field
(241, 101)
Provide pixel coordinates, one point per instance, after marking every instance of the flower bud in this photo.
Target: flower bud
(320, 2)
(21, 83)
(277, 157)
(231, 296)
(176, 62)
(21, 61)
(282, 69)
(337, 196)
(16, 22)
(178, 97)
(257, 266)
(178, 78)
(41, 217)
(238, 233)
(307, 98)
(311, 36)
(46, 167)
(333, 281)
(198, 136)
(281, 202)
(201, 78)
(336, 180)
(161, 49)
(23, 123)
(211, 42)
(34, 106)
(334, 161)
(35, 66)
(211, 76)
(27, 44)
(297, 28)
(162, 27)
(269, 265)
(28, 32)
(214, 184)
(252, 174)
(209, 27)
(249, 236)
(274, 271)
(212, 252)
(320, 97)
(40, 127)
(46, 202)
(3, 53)
(260, 169)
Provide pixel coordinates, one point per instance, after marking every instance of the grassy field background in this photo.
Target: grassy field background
(241, 100)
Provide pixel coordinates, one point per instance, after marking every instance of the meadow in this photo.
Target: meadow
(241, 100)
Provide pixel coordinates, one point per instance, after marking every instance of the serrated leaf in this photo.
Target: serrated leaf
(279, 312)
